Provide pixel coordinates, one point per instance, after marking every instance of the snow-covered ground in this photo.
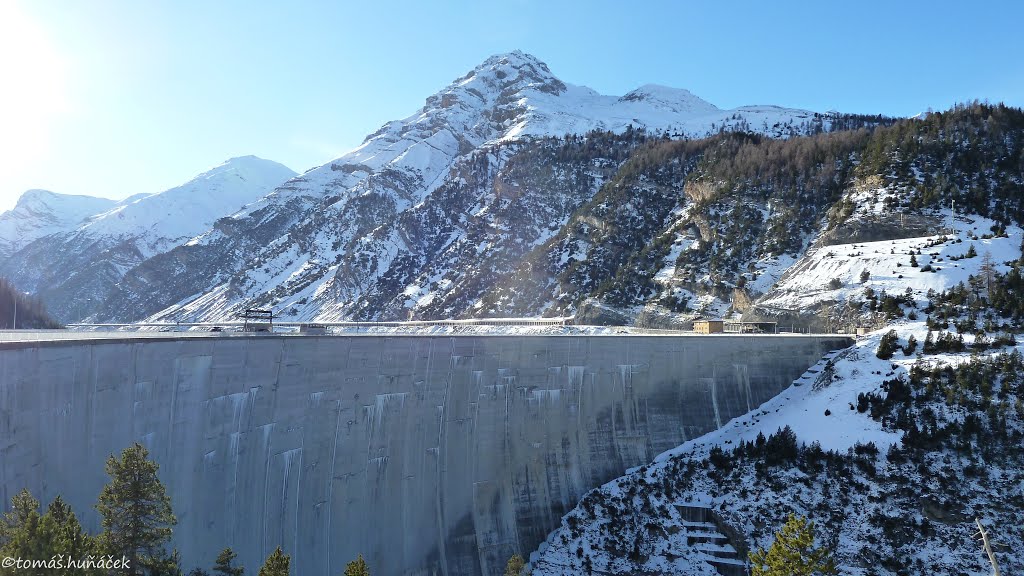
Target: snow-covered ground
(807, 283)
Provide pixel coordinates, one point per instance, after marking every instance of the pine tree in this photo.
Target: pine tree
(19, 530)
(224, 565)
(61, 533)
(793, 553)
(911, 346)
(276, 565)
(888, 345)
(168, 565)
(357, 567)
(26, 534)
(137, 516)
(987, 272)
(515, 566)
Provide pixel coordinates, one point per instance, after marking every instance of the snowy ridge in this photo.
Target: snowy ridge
(162, 220)
(511, 96)
(39, 213)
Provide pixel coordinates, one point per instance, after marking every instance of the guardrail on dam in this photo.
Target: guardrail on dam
(427, 454)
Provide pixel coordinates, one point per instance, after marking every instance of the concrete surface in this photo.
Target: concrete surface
(427, 454)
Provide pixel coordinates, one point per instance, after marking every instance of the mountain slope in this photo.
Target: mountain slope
(360, 229)
(40, 212)
(74, 270)
(892, 457)
(892, 447)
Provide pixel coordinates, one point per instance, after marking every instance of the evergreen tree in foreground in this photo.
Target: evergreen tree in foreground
(137, 517)
(61, 533)
(19, 529)
(357, 567)
(276, 565)
(27, 535)
(224, 565)
(793, 553)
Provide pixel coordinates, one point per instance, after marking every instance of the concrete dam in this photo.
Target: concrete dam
(426, 454)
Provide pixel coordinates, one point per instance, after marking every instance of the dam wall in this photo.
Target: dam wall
(425, 454)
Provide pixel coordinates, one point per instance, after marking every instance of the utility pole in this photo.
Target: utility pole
(988, 548)
(15, 309)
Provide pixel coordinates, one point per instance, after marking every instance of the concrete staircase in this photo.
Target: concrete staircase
(704, 533)
(819, 374)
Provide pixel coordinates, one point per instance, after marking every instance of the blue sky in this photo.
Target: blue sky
(115, 97)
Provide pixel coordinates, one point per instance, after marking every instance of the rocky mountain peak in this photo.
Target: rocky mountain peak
(516, 71)
(38, 200)
(34, 197)
(495, 89)
(41, 212)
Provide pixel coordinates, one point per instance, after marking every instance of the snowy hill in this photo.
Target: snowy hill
(832, 274)
(40, 212)
(343, 234)
(74, 269)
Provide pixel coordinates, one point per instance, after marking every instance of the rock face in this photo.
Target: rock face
(430, 211)
(428, 455)
(74, 269)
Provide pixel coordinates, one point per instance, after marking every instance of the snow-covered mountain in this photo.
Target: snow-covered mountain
(369, 226)
(160, 221)
(41, 212)
(74, 269)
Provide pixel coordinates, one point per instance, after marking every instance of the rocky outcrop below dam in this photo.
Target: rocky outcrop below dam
(426, 454)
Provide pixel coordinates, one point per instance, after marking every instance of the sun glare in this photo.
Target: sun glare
(34, 90)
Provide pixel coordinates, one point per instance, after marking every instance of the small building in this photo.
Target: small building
(709, 326)
(313, 329)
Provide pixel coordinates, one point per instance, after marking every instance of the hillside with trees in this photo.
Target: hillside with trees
(27, 311)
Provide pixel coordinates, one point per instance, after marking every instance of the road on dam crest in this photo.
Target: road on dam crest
(426, 454)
